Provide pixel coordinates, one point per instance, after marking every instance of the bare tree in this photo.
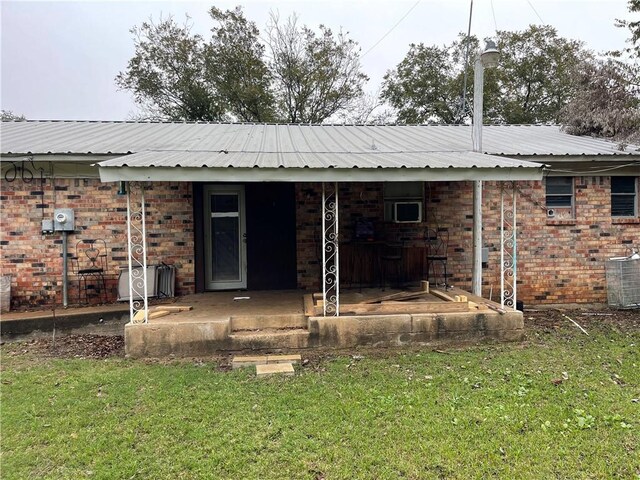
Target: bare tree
(368, 109)
(315, 76)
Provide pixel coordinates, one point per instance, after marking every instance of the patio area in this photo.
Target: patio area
(279, 321)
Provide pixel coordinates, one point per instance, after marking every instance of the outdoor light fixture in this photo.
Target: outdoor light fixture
(491, 55)
(122, 188)
(488, 58)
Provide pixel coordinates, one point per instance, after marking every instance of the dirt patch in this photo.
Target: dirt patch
(627, 321)
(71, 346)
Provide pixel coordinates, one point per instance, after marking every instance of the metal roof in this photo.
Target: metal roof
(315, 166)
(85, 137)
(314, 160)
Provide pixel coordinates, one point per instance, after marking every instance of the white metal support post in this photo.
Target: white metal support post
(478, 92)
(137, 253)
(488, 58)
(508, 246)
(330, 250)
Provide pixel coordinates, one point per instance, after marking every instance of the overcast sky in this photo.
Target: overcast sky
(59, 59)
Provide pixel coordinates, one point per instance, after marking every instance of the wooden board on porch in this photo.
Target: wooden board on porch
(475, 302)
(404, 302)
(398, 296)
(387, 308)
(403, 307)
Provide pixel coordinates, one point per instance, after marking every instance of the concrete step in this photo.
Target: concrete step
(270, 338)
(252, 360)
(275, 368)
(261, 322)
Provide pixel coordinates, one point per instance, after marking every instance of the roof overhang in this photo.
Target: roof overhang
(337, 167)
(235, 174)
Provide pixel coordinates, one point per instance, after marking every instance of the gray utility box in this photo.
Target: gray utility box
(5, 293)
(623, 281)
(64, 220)
(47, 226)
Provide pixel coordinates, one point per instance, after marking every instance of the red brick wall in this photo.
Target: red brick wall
(308, 234)
(34, 260)
(449, 203)
(356, 200)
(562, 260)
(558, 260)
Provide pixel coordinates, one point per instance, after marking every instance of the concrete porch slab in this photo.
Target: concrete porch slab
(271, 321)
(293, 338)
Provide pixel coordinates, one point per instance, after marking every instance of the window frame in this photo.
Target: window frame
(402, 194)
(633, 195)
(570, 207)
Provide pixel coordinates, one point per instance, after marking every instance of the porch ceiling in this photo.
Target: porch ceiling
(223, 165)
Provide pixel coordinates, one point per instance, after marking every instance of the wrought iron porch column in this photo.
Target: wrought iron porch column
(508, 245)
(330, 250)
(137, 253)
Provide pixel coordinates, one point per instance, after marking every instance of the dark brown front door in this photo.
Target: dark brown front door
(271, 236)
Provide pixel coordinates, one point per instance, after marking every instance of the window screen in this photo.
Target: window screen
(624, 196)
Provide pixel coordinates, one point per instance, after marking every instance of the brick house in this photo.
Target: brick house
(237, 206)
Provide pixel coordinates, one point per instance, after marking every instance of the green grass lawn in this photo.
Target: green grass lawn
(561, 405)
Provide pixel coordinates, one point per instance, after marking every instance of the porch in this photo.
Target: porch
(313, 191)
(292, 320)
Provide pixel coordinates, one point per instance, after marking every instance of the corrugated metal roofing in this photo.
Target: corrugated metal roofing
(316, 160)
(74, 137)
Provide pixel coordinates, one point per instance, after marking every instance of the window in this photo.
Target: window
(624, 197)
(559, 192)
(559, 197)
(403, 201)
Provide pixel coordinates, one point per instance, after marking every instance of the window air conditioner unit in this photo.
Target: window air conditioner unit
(407, 212)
